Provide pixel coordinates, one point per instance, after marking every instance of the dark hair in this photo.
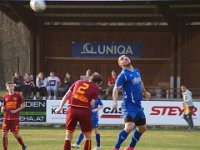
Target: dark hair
(96, 78)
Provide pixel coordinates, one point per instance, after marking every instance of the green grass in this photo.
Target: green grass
(2, 93)
(154, 139)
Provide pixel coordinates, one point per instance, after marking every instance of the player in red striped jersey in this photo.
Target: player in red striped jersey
(81, 96)
(12, 105)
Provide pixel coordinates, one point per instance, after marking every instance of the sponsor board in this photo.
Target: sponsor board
(35, 111)
(52, 117)
(157, 113)
(106, 49)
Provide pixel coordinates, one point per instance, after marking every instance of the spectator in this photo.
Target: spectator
(68, 82)
(53, 83)
(41, 84)
(18, 82)
(28, 86)
(110, 83)
(87, 76)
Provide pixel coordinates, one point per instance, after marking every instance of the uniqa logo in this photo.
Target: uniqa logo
(89, 48)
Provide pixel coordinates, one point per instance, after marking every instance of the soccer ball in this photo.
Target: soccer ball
(38, 5)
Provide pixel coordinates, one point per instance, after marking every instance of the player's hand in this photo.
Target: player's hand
(58, 110)
(147, 95)
(2, 109)
(94, 110)
(115, 105)
(13, 111)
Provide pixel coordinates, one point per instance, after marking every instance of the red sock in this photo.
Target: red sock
(87, 145)
(67, 145)
(5, 143)
(20, 140)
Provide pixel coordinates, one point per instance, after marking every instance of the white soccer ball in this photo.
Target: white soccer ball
(38, 5)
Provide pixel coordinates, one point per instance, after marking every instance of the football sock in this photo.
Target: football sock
(87, 145)
(98, 140)
(135, 138)
(20, 140)
(122, 136)
(5, 143)
(67, 145)
(80, 138)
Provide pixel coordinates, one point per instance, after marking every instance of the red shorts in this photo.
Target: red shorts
(81, 115)
(12, 125)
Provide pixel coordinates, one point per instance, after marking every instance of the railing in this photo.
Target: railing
(158, 92)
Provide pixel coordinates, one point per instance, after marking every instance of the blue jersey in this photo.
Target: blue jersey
(130, 82)
(95, 115)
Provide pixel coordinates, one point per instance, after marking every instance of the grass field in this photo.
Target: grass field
(154, 139)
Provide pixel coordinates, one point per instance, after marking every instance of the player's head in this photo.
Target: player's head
(183, 88)
(124, 61)
(10, 86)
(96, 78)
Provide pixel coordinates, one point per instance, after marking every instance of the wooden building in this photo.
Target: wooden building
(168, 30)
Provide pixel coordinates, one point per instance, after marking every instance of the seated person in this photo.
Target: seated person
(110, 83)
(53, 83)
(41, 84)
(68, 82)
(87, 76)
(18, 82)
(28, 86)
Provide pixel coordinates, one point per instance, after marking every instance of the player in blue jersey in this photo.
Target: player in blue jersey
(129, 80)
(95, 118)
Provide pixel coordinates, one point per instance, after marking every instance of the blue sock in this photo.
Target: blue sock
(80, 138)
(135, 138)
(122, 136)
(98, 140)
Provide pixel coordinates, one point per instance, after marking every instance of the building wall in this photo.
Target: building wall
(14, 49)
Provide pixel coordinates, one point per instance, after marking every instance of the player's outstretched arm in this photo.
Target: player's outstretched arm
(64, 100)
(115, 96)
(146, 94)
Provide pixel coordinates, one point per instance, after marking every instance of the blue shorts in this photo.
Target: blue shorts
(95, 124)
(136, 113)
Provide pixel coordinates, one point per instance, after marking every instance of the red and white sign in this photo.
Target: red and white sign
(157, 113)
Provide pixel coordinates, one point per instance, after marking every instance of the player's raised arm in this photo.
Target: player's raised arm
(64, 100)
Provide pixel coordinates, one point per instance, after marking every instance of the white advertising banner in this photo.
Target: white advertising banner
(157, 113)
(52, 117)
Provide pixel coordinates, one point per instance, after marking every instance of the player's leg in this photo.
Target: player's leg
(88, 142)
(140, 122)
(71, 123)
(129, 126)
(5, 140)
(15, 130)
(68, 139)
(86, 126)
(98, 139)
(191, 124)
(136, 136)
(79, 140)
(20, 140)
(5, 129)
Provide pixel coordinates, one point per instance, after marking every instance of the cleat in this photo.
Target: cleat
(115, 149)
(129, 148)
(97, 148)
(24, 148)
(75, 145)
